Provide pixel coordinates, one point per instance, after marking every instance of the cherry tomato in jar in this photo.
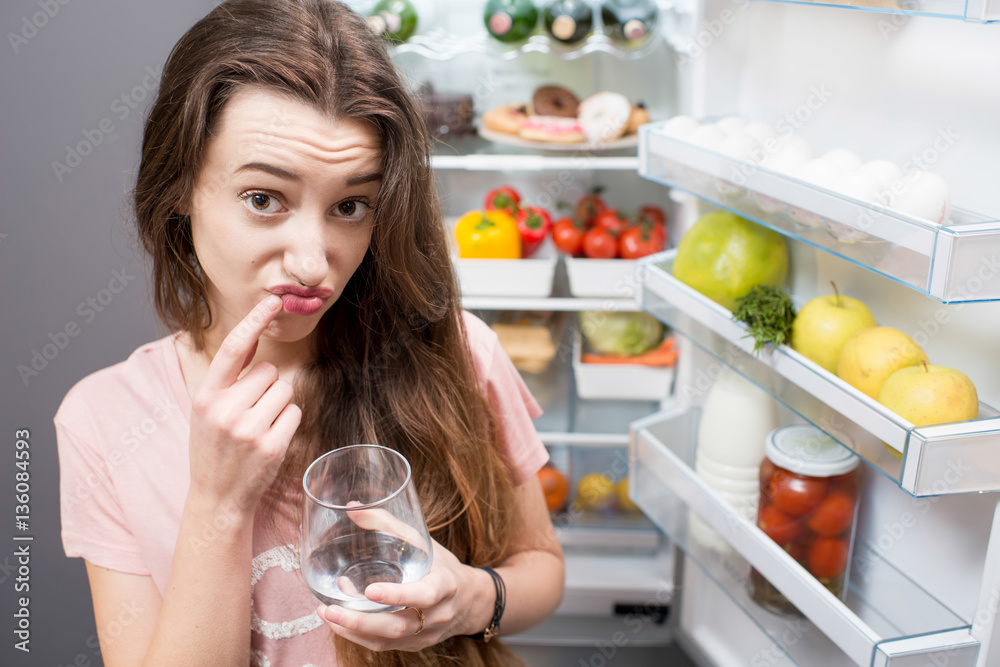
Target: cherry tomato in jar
(833, 516)
(588, 208)
(796, 495)
(827, 557)
(778, 526)
(568, 235)
(599, 243)
(846, 483)
(611, 220)
(766, 473)
(534, 224)
(636, 242)
(504, 198)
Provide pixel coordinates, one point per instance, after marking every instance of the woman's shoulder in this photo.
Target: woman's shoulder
(115, 387)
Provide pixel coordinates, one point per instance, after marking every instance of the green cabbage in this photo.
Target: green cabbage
(625, 334)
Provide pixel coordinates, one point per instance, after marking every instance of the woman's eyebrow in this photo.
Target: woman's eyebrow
(292, 176)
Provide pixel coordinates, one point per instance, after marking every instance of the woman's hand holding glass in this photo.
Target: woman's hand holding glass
(241, 426)
(453, 599)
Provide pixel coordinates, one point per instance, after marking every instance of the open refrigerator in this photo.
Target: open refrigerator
(917, 83)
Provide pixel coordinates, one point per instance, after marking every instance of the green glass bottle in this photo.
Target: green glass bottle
(510, 20)
(629, 22)
(393, 20)
(569, 21)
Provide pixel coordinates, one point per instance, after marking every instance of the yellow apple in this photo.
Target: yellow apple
(824, 323)
(925, 394)
(871, 355)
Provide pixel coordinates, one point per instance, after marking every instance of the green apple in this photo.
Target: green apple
(824, 324)
(925, 394)
(871, 355)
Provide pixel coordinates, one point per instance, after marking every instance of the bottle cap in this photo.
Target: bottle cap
(634, 29)
(501, 23)
(805, 450)
(563, 27)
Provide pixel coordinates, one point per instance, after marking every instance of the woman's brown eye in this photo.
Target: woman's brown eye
(348, 208)
(260, 202)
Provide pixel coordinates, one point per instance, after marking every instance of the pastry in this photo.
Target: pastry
(639, 116)
(506, 119)
(604, 116)
(553, 129)
(554, 101)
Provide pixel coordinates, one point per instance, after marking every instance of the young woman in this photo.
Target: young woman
(298, 254)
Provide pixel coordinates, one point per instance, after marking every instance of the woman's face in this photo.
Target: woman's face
(282, 205)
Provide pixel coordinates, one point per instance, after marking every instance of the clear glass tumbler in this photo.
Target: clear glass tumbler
(361, 524)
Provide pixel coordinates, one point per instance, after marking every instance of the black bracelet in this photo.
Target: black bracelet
(493, 629)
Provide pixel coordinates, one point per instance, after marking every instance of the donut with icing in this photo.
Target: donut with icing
(506, 119)
(604, 116)
(553, 129)
(555, 101)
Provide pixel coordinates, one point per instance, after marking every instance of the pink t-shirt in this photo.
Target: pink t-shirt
(124, 473)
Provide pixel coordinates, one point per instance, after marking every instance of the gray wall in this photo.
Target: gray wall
(62, 238)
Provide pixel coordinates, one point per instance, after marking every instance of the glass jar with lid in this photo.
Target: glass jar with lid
(808, 503)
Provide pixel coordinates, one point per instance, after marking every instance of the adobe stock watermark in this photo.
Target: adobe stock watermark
(31, 25)
(121, 107)
(87, 310)
(709, 32)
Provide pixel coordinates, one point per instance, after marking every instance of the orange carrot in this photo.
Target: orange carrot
(664, 354)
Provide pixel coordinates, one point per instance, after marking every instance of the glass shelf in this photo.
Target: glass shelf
(955, 262)
(980, 11)
(943, 459)
(473, 153)
(885, 619)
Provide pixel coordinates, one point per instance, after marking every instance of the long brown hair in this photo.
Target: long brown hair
(391, 364)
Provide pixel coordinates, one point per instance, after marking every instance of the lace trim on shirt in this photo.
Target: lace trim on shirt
(287, 558)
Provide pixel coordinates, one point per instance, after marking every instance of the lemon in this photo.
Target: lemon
(624, 502)
(723, 256)
(595, 491)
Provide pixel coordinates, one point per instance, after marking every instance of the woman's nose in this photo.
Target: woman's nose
(305, 257)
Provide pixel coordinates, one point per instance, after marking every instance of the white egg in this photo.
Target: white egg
(760, 131)
(731, 124)
(681, 127)
(885, 172)
(821, 172)
(857, 185)
(849, 160)
(792, 152)
(742, 146)
(922, 194)
(709, 136)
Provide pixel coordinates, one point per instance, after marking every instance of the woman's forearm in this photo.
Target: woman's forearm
(534, 585)
(205, 615)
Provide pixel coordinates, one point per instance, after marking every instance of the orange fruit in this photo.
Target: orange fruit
(555, 486)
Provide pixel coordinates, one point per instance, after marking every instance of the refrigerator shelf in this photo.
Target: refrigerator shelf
(943, 459)
(953, 263)
(886, 619)
(980, 11)
(472, 152)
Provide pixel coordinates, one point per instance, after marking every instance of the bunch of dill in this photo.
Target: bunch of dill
(768, 313)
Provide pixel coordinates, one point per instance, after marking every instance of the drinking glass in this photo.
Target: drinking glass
(361, 524)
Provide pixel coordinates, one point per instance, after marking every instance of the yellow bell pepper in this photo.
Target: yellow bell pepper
(488, 235)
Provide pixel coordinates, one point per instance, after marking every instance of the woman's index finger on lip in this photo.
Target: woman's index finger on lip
(232, 355)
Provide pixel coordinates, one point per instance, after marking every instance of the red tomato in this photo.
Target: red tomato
(847, 483)
(504, 198)
(636, 242)
(588, 208)
(653, 215)
(611, 220)
(827, 557)
(599, 243)
(796, 495)
(766, 473)
(534, 224)
(833, 515)
(778, 526)
(568, 235)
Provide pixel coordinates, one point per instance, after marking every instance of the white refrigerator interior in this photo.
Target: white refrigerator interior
(919, 90)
